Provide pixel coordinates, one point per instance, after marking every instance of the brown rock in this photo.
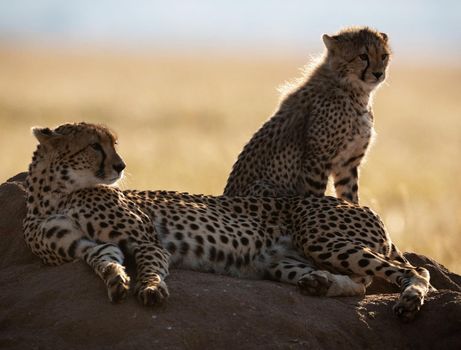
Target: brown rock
(12, 212)
(66, 307)
(21, 177)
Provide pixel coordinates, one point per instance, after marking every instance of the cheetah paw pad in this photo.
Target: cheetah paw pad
(316, 283)
(408, 306)
(117, 287)
(153, 293)
(118, 284)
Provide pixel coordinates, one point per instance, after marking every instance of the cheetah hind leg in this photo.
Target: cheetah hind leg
(414, 288)
(290, 267)
(106, 260)
(415, 285)
(325, 283)
(414, 282)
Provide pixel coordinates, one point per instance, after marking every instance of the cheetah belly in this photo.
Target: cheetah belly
(241, 255)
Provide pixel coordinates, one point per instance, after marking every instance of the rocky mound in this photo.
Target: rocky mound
(66, 307)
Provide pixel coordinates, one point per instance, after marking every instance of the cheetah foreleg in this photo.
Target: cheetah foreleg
(346, 183)
(62, 241)
(152, 262)
(106, 260)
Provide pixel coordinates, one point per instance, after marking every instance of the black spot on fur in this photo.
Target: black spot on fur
(343, 256)
(324, 256)
(183, 248)
(314, 248)
(199, 251)
(171, 247)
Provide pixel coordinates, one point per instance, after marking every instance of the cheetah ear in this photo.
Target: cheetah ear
(384, 36)
(329, 41)
(44, 135)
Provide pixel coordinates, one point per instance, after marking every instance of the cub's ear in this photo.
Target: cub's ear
(329, 41)
(44, 135)
(384, 36)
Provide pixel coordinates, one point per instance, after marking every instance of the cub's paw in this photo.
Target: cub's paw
(117, 282)
(316, 283)
(409, 304)
(152, 293)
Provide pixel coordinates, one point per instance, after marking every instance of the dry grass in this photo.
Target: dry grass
(183, 120)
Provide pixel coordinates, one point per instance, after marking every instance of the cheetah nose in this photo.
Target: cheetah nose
(119, 167)
(377, 74)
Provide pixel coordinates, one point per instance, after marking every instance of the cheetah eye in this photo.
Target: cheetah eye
(363, 57)
(96, 146)
(384, 56)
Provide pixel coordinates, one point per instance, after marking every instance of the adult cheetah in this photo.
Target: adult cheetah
(322, 128)
(74, 213)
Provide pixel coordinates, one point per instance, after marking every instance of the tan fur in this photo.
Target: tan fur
(323, 126)
(244, 237)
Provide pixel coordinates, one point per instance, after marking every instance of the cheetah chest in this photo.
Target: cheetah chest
(355, 144)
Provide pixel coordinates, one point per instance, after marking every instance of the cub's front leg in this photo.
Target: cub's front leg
(346, 182)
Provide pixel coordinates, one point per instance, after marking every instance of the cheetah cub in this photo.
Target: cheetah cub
(75, 212)
(322, 128)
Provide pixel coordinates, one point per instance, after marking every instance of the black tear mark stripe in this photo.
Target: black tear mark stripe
(366, 68)
(100, 171)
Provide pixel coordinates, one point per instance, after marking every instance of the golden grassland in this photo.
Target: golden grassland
(182, 120)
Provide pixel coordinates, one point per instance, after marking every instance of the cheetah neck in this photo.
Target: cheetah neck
(361, 92)
(45, 189)
(319, 84)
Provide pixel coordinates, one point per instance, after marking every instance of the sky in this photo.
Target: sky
(424, 28)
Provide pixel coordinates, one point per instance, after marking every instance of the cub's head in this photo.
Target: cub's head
(359, 55)
(79, 155)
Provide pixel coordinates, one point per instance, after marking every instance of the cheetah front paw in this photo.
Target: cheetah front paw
(315, 283)
(117, 282)
(409, 304)
(152, 293)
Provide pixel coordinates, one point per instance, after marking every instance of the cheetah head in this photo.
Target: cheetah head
(79, 155)
(359, 56)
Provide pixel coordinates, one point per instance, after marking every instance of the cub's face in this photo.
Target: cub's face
(81, 155)
(359, 56)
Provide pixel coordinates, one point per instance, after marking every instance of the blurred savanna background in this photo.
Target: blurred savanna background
(185, 84)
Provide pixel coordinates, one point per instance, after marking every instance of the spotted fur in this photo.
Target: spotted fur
(333, 247)
(322, 128)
